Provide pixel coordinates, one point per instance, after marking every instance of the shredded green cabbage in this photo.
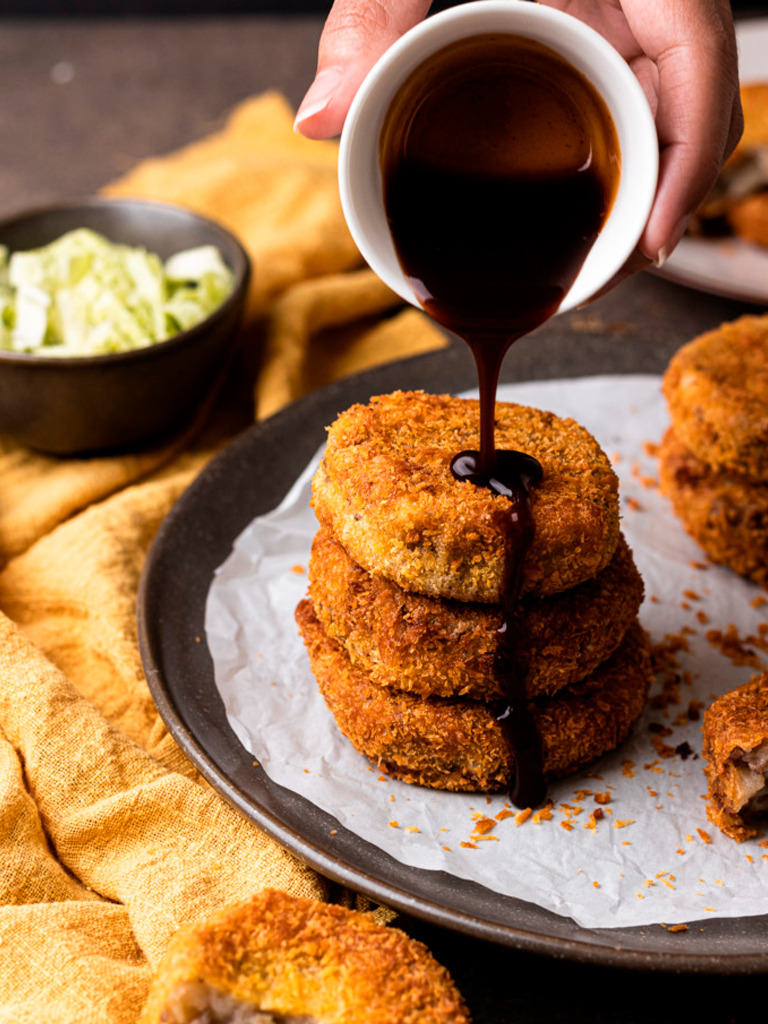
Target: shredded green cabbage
(83, 295)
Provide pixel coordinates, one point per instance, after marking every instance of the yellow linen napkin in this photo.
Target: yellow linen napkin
(326, 328)
(273, 188)
(109, 838)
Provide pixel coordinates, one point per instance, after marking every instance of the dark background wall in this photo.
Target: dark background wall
(165, 8)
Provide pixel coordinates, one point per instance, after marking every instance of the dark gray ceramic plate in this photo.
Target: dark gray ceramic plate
(249, 478)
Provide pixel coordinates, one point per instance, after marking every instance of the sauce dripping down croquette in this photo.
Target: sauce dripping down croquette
(500, 163)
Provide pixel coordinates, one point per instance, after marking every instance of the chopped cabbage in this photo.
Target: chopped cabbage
(83, 295)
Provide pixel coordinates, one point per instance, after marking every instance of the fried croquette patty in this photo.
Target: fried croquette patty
(738, 202)
(754, 101)
(437, 647)
(458, 744)
(724, 512)
(278, 959)
(716, 389)
(735, 749)
(749, 218)
(385, 491)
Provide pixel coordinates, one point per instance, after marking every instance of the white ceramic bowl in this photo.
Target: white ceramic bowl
(359, 172)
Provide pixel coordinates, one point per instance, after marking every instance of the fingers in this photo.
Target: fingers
(355, 35)
(635, 262)
(685, 59)
(698, 117)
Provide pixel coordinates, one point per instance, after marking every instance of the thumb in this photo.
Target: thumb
(355, 35)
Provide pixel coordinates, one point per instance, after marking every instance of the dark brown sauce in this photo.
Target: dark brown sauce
(499, 166)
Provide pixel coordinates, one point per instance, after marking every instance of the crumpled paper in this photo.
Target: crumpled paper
(652, 857)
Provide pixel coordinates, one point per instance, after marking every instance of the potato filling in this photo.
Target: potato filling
(753, 769)
(196, 1002)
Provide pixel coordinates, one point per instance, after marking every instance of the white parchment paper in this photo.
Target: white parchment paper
(653, 857)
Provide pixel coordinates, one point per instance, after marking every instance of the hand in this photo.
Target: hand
(682, 51)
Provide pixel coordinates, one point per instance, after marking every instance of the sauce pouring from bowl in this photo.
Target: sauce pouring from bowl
(500, 163)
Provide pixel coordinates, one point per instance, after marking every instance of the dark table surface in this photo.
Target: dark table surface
(82, 102)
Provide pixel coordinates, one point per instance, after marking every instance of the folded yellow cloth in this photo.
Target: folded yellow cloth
(109, 839)
(273, 188)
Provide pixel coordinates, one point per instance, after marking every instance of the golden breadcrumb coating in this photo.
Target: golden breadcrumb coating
(738, 202)
(458, 744)
(735, 748)
(299, 961)
(716, 389)
(754, 102)
(725, 512)
(748, 218)
(385, 491)
(437, 647)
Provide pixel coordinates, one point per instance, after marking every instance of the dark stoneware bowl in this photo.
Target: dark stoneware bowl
(95, 404)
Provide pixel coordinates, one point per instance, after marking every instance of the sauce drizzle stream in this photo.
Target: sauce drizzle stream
(499, 164)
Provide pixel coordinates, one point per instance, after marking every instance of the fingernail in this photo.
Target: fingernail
(677, 233)
(318, 95)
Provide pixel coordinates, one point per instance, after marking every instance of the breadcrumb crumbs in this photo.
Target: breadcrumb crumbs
(662, 749)
(704, 836)
(695, 707)
(544, 813)
(570, 810)
(734, 647)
